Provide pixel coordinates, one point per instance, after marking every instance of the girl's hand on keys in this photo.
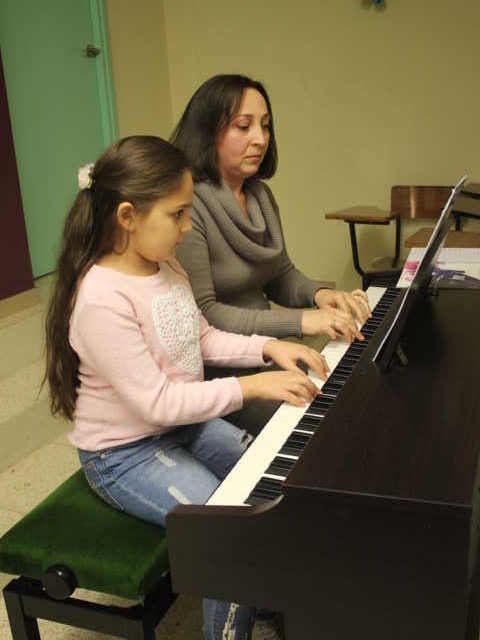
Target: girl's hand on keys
(294, 387)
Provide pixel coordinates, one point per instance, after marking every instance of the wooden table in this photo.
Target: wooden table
(458, 239)
(363, 214)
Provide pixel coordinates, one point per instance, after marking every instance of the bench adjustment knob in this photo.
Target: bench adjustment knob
(59, 582)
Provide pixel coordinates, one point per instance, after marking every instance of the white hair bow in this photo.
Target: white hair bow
(85, 176)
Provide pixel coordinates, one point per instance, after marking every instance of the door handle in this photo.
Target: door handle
(91, 51)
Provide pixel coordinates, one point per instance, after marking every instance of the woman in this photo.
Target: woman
(235, 255)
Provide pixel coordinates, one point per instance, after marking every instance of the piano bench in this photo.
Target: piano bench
(74, 539)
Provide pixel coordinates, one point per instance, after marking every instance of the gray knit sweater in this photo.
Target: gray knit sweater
(237, 265)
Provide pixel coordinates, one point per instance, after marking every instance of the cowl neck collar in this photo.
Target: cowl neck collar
(257, 238)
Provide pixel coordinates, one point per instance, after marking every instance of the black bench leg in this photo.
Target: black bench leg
(26, 601)
(140, 633)
(23, 627)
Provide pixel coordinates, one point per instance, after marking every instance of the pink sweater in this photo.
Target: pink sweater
(141, 342)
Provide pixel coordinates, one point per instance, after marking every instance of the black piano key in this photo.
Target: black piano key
(338, 376)
(368, 333)
(349, 363)
(253, 500)
(343, 370)
(331, 388)
(336, 383)
(295, 444)
(348, 356)
(345, 364)
(309, 422)
(316, 412)
(265, 489)
(321, 402)
(329, 393)
(382, 308)
(280, 466)
(356, 349)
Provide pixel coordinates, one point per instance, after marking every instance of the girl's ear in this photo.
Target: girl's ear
(126, 216)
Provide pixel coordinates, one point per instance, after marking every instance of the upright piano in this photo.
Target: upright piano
(358, 516)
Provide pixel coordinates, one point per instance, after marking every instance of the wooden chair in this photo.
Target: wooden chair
(412, 202)
(466, 205)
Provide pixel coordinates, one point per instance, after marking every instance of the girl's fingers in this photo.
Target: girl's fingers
(317, 363)
(303, 386)
(302, 393)
(291, 398)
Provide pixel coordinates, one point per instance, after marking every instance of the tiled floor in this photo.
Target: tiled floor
(35, 456)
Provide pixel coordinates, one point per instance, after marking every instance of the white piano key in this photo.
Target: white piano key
(238, 485)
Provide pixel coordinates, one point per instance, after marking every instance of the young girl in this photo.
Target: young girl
(126, 345)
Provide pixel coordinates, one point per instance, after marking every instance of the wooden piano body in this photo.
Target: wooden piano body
(375, 535)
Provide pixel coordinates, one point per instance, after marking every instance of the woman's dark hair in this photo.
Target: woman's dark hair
(209, 112)
(137, 169)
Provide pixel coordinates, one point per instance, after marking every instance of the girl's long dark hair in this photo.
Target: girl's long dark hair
(137, 169)
(208, 112)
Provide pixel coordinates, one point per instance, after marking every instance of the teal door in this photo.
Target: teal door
(60, 105)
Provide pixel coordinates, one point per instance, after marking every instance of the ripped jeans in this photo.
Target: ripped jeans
(149, 477)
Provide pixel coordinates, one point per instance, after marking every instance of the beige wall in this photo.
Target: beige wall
(140, 68)
(362, 98)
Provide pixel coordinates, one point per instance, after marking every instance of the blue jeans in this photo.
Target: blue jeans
(149, 477)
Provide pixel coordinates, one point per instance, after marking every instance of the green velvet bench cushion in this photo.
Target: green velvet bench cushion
(107, 550)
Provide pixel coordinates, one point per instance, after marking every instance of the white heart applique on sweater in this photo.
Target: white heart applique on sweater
(177, 323)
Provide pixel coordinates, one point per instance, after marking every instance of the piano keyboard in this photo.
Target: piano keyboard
(259, 474)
